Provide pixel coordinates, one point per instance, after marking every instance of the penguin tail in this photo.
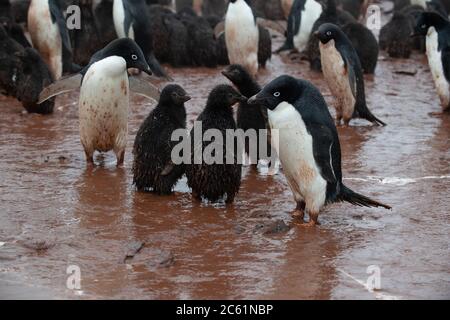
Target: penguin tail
(364, 112)
(357, 199)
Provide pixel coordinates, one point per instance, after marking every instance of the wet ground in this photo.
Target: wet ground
(56, 213)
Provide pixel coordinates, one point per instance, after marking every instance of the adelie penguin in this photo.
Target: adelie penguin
(104, 96)
(437, 32)
(132, 21)
(153, 169)
(212, 181)
(249, 116)
(301, 20)
(342, 71)
(308, 146)
(49, 35)
(242, 35)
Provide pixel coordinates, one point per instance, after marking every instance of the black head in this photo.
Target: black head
(223, 96)
(282, 89)
(173, 94)
(237, 74)
(127, 49)
(424, 21)
(327, 32)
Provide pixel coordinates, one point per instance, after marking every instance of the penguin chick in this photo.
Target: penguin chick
(365, 44)
(308, 146)
(248, 116)
(153, 169)
(213, 181)
(342, 71)
(437, 31)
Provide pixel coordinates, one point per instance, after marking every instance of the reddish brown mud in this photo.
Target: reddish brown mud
(56, 212)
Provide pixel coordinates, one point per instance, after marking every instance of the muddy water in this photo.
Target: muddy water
(56, 212)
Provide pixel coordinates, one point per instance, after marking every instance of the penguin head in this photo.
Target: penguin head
(173, 94)
(223, 96)
(129, 50)
(424, 21)
(327, 32)
(237, 74)
(282, 89)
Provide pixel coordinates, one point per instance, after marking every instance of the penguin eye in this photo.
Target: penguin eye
(329, 33)
(134, 57)
(424, 26)
(276, 94)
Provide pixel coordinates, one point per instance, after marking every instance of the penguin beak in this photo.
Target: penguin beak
(185, 98)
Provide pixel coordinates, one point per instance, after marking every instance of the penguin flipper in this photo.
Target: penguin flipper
(129, 17)
(144, 88)
(58, 17)
(445, 57)
(219, 29)
(269, 24)
(351, 77)
(63, 85)
(357, 199)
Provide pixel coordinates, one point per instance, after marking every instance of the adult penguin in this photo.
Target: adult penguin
(342, 71)
(437, 31)
(242, 35)
(300, 24)
(49, 35)
(153, 169)
(131, 20)
(213, 178)
(104, 96)
(308, 146)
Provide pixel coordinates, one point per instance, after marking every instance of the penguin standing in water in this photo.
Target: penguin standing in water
(214, 180)
(342, 71)
(242, 35)
(300, 24)
(49, 35)
(104, 96)
(153, 169)
(437, 32)
(248, 116)
(308, 146)
(132, 21)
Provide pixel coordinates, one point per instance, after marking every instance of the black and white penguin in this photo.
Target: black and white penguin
(300, 24)
(132, 21)
(248, 116)
(437, 31)
(214, 180)
(242, 35)
(307, 145)
(153, 169)
(49, 35)
(104, 96)
(342, 71)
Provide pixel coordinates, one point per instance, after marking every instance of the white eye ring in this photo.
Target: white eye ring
(328, 33)
(134, 57)
(276, 94)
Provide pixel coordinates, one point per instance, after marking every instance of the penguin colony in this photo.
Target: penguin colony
(96, 60)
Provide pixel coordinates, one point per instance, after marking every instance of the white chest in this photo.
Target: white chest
(336, 76)
(310, 14)
(103, 104)
(242, 35)
(295, 149)
(437, 70)
(119, 20)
